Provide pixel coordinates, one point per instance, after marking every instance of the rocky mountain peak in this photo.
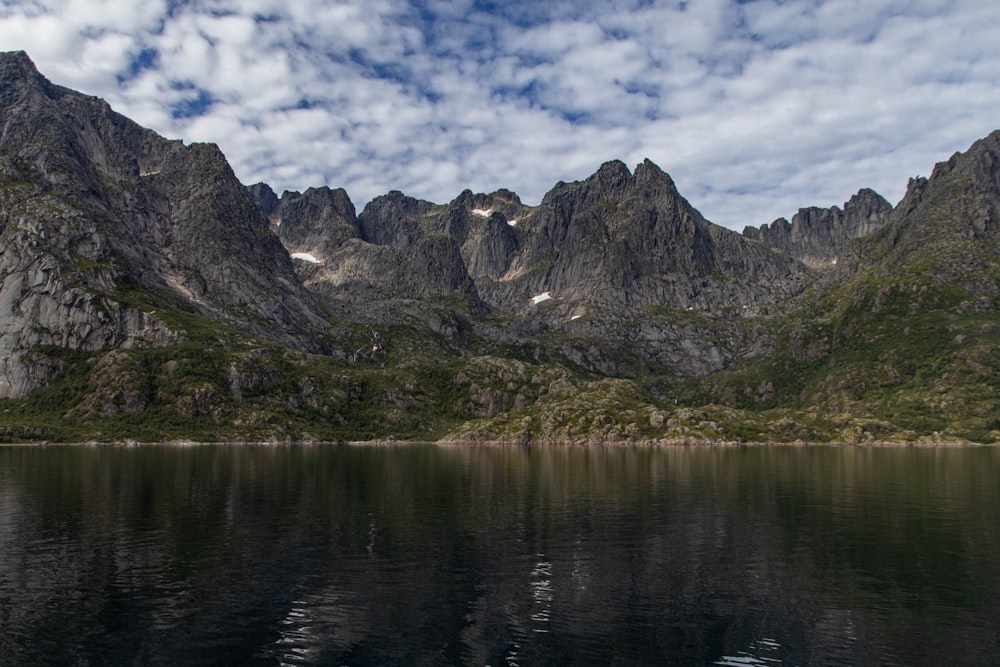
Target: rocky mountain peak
(313, 224)
(266, 200)
(18, 74)
(613, 174)
(980, 164)
(818, 237)
(867, 199)
(950, 221)
(648, 175)
(389, 219)
(614, 184)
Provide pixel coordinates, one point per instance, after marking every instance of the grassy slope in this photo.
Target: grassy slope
(909, 343)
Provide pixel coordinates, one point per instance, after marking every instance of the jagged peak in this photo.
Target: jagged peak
(867, 200)
(507, 195)
(868, 193)
(389, 219)
(914, 192)
(613, 167)
(397, 199)
(18, 70)
(326, 191)
(336, 198)
(21, 57)
(474, 201)
(808, 215)
(263, 187)
(980, 159)
(396, 195)
(615, 173)
(481, 202)
(864, 199)
(20, 62)
(819, 236)
(650, 177)
(965, 184)
(647, 169)
(611, 174)
(265, 198)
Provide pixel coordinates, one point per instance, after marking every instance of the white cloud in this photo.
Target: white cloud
(755, 108)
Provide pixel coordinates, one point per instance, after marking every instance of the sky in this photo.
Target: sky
(755, 107)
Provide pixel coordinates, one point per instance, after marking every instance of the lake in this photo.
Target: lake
(503, 556)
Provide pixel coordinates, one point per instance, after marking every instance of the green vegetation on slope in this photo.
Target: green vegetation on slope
(910, 353)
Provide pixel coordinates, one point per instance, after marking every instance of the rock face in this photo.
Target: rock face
(100, 219)
(818, 237)
(614, 241)
(314, 223)
(604, 260)
(363, 263)
(625, 241)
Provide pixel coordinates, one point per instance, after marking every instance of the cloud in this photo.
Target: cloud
(755, 108)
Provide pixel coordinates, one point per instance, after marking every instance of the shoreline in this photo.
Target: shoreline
(460, 443)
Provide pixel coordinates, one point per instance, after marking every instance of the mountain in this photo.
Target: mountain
(608, 263)
(145, 293)
(104, 221)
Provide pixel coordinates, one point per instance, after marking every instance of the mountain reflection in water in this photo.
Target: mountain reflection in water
(499, 555)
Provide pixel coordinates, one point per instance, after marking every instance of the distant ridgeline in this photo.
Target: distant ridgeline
(146, 294)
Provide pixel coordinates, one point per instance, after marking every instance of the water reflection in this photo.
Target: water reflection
(760, 653)
(499, 555)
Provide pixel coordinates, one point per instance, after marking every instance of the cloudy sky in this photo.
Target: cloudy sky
(755, 107)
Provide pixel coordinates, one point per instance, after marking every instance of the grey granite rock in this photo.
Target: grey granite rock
(94, 208)
(820, 236)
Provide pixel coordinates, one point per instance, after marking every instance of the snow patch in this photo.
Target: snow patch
(485, 212)
(575, 317)
(512, 223)
(306, 257)
(151, 172)
(544, 296)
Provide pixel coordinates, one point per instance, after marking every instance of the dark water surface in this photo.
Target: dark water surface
(424, 555)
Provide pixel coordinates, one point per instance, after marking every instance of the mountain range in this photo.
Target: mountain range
(147, 294)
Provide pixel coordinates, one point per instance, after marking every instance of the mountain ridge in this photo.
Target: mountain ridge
(145, 292)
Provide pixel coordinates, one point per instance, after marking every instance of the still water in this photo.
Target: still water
(427, 555)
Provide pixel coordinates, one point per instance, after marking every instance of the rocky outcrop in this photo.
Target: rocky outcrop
(818, 237)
